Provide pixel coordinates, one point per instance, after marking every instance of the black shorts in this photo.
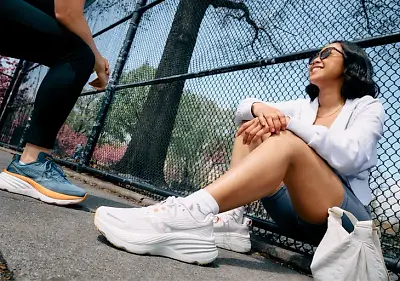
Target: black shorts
(279, 207)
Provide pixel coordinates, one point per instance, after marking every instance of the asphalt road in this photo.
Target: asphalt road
(45, 242)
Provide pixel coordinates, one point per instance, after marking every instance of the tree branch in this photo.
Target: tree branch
(364, 7)
(247, 17)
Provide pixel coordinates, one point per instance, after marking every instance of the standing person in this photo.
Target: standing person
(54, 33)
(299, 157)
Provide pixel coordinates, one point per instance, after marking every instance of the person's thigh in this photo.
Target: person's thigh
(350, 203)
(32, 34)
(312, 184)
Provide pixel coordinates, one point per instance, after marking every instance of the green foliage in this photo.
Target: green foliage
(83, 115)
(199, 123)
(126, 106)
(201, 141)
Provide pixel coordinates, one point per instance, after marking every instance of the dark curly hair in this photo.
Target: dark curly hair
(357, 74)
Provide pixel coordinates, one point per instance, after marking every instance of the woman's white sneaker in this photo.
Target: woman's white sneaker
(231, 232)
(166, 229)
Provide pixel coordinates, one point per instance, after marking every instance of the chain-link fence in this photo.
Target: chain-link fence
(7, 68)
(164, 125)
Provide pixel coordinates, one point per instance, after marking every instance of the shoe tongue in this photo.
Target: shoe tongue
(238, 217)
(43, 157)
(237, 214)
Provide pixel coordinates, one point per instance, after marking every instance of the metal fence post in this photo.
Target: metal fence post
(11, 91)
(110, 90)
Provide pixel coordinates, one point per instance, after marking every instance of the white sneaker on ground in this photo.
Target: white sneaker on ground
(231, 230)
(166, 229)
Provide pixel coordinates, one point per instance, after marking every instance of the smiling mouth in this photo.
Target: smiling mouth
(315, 68)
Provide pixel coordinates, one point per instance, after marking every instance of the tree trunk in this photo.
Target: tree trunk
(147, 150)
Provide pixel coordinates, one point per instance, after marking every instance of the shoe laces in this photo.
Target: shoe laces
(53, 171)
(168, 204)
(231, 216)
(225, 218)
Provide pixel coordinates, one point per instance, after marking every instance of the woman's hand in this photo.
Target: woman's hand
(270, 117)
(102, 69)
(253, 131)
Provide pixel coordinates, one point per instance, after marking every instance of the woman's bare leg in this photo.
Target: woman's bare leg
(312, 184)
(31, 152)
(240, 151)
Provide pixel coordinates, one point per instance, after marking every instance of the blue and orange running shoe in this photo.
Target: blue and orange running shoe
(42, 180)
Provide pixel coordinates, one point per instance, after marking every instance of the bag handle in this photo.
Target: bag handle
(338, 212)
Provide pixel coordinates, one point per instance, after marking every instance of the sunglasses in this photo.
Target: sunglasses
(324, 54)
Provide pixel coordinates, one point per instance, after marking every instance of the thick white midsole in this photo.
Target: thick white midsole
(16, 185)
(233, 241)
(180, 246)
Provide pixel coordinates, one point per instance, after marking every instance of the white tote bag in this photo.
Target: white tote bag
(349, 257)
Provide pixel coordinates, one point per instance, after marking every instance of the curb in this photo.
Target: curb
(288, 258)
(142, 200)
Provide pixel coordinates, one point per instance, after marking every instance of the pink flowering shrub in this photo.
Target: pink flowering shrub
(7, 66)
(68, 139)
(18, 122)
(108, 154)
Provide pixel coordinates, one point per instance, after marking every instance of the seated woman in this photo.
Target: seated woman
(299, 157)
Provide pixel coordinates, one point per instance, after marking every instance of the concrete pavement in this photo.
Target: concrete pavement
(45, 242)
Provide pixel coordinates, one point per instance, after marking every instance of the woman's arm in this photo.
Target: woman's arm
(244, 109)
(350, 151)
(70, 14)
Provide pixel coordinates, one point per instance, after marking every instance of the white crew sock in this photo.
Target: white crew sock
(21, 163)
(204, 204)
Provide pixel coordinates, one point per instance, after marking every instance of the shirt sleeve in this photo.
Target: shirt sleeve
(243, 111)
(354, 149)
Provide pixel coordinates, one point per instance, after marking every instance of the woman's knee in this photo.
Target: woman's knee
(288, 136)
(251, 146)
(289, 142)
(77, 53)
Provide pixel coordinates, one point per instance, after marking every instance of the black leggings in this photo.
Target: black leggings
(30, 31)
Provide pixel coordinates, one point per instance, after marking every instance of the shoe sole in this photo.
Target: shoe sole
(18, 184)
(233, 241)
(160, 245)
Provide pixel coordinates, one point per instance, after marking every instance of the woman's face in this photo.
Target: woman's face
(328, 66)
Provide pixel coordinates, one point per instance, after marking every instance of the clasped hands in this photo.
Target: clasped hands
(268, 121)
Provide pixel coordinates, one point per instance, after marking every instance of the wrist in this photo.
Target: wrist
(254, 108)
(98, 57)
